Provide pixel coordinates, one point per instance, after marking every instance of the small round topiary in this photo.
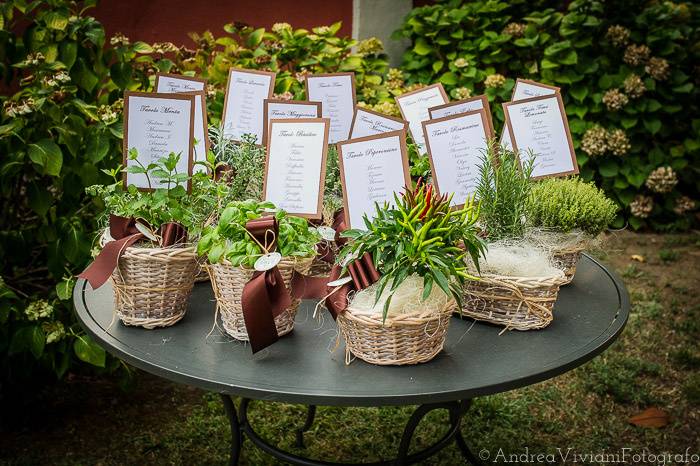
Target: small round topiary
(566, 204)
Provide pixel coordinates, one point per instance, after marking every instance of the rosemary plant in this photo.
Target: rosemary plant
(503, 190)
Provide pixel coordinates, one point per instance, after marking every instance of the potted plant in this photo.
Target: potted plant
(568, 214)
(233, 248)
(518, 284)
(412, 250)
(145, 247)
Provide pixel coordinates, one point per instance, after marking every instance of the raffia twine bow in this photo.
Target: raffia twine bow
(522, 295)
(124, 234)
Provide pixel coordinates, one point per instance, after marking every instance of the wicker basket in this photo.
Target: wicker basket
(403, 339)
(152, 286)
(520, 303)
(566, 259)
(320, 268)
(228, 282)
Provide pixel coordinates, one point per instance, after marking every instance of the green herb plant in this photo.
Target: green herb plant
(168, 201)
(565, 204)
(503, 190)
(228, 240)
(420, 235)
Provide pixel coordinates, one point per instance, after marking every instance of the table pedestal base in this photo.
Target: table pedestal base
(240, 428)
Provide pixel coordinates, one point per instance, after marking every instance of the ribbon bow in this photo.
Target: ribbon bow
(363, 274)
(124, 233)
(265, 296)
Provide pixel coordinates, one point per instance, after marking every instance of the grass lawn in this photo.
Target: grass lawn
(655, 363)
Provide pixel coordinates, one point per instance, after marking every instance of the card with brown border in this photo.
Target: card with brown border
(539, 124)
(173, 83)
(156, 124)
(295, 165)
(372, 169)
(456, 145)
(525, 89)
(246, 91)
(414, 107)
(336, 92)
(463, 106)
(367, 122)
(275, 109)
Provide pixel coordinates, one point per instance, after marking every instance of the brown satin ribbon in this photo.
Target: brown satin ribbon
(325, 252)
(265, 296)
(363, 274)
(124, 233)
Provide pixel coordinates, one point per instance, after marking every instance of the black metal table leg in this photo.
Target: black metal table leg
(240, 427)
(236, 433)
(459, 439)
(310, 416)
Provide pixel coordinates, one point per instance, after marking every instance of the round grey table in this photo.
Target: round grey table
(300, 368)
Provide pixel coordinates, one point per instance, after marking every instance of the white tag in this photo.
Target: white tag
(267, 261)
(145, 231)
(340, 282)
(326, 233)
(347, 259)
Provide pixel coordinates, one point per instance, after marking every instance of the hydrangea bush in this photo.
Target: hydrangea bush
(628, 73)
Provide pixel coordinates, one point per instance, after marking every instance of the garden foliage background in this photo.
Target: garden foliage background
(628, 70)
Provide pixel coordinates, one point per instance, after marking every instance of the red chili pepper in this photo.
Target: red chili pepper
(428, 199)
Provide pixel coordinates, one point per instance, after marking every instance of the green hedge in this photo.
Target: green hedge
(628, 73)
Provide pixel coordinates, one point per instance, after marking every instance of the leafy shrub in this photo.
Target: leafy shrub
(568, 203)
(628, 78)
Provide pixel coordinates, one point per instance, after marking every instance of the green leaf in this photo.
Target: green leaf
(579, 92)
(142, 47)
(39, 199)
(437, 66)
(56, 20)
(448, 79)
(628, 122)
(83, 76)
(422, 47)
(48, 155)
(64, 289)
(255, 38)
(30, 338)
(652, 125)
(608, 168)
(121, 74)
(68, 51)
(88, 351)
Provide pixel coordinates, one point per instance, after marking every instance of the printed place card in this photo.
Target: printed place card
(295, 168)
(276, 109)
(456, 146)
(414, 109)
(173, 83)
(525, 89)
(462, 106)
(372, 169)
(368, 123)
(336, 92)
(539, 124)
(246, 91)
(156, 125)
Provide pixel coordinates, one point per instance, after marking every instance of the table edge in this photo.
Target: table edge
(597, 346)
